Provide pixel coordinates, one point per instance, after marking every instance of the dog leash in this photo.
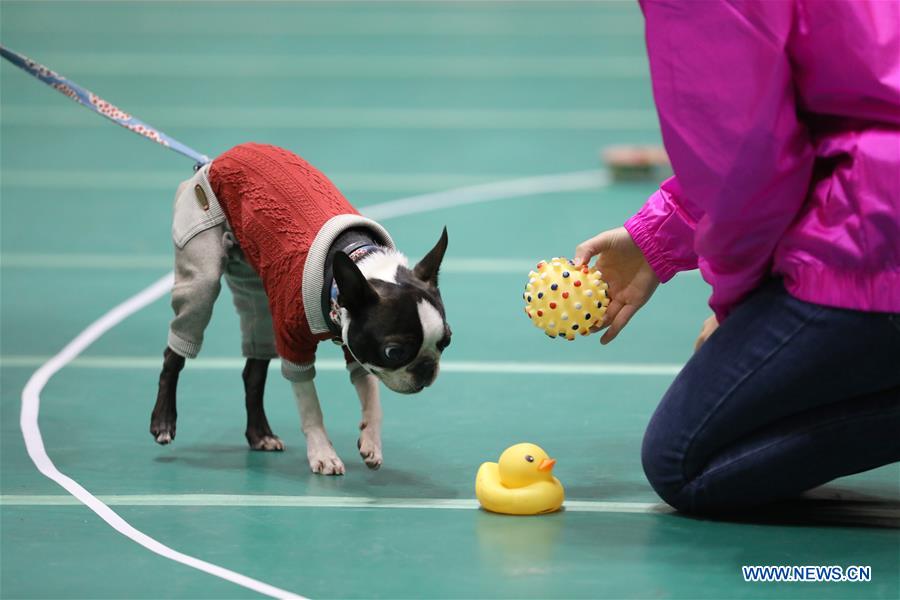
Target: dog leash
(103, 108)
(100, 106)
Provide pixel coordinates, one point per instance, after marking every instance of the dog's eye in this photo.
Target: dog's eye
(396, 353)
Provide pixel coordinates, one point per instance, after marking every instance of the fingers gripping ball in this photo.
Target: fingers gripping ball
(565, 300)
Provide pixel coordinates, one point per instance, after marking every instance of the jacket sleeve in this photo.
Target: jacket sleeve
(723, 88)
(664, 231)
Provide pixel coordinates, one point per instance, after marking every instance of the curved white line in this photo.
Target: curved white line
(511, 188)
(34, 442)
(31, 395)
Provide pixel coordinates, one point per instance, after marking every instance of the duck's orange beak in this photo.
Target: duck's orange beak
(547, 464)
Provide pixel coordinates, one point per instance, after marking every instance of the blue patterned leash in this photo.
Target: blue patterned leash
(100, 106)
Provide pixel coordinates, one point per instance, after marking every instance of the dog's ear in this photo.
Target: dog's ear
(428, 267)
(354, 291)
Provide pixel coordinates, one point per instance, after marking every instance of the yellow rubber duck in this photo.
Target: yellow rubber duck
(522, 483)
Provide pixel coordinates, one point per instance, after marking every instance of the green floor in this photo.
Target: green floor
(391, 100)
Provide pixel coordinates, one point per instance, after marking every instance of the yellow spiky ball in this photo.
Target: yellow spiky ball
(564, 300)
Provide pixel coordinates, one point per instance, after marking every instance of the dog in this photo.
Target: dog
(303, 267)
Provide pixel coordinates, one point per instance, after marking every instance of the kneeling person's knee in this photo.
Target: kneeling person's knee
(663, 462)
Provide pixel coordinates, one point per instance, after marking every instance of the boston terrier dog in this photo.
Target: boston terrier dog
(303, 267)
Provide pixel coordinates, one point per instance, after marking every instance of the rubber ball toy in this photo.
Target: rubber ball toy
(564, 300)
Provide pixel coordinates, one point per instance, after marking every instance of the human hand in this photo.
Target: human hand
(709, 326)
(631, 279)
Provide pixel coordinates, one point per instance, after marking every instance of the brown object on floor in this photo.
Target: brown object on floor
(637, 163)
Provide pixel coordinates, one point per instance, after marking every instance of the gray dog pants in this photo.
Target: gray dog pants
(205, 250)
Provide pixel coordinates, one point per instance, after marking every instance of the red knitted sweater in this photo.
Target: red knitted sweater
(276, 203)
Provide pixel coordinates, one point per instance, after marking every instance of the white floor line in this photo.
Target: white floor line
(339, 118)
(268, 501)
(27, 260)
(326, 364)
(165, 180)
(451, 265)
(34, 442)
(475, 66)
(31, 398)
(501, 190)
(592, 27)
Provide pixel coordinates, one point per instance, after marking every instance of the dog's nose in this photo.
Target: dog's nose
(424, 369)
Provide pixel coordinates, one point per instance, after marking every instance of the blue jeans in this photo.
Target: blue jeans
(783, 397)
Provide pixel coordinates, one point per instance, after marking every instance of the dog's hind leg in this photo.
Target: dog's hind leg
(257, 344)
(259, 434)
(198, 273)
(162, 421)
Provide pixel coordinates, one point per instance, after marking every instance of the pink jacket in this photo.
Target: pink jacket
(782, 121)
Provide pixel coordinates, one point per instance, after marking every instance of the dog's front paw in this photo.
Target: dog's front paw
(369, 444)
(323, 460)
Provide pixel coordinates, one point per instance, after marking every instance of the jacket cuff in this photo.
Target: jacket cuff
(664, 233)
(182, 347)
(297, 372)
